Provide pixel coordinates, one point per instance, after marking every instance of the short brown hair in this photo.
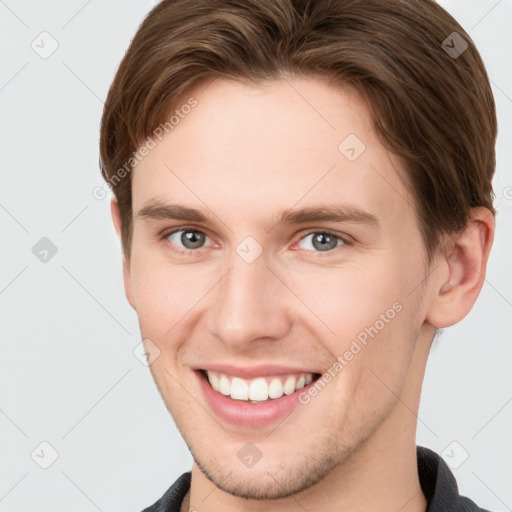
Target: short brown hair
(432, 107)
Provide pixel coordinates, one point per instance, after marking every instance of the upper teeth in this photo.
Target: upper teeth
(259, 389)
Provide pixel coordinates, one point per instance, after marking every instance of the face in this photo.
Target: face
(276, 268)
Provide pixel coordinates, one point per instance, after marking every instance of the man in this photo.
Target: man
(303, 193)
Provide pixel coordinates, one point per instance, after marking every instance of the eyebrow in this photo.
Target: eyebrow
(335, 213)
(158, 210)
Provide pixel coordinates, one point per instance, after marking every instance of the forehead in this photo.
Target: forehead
(254, 150)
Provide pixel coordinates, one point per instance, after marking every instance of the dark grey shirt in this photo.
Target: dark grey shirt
(436, 479)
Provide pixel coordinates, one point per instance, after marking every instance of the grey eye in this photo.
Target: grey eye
(188, 238)
(321, 241)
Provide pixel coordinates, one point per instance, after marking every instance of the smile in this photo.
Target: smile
(259, 389)
(256, 399)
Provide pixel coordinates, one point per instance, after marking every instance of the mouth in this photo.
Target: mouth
(259, 389)
(253, 401)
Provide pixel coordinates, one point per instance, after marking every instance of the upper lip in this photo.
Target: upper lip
(266, 370)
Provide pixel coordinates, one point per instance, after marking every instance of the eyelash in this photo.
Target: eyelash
(344, 239)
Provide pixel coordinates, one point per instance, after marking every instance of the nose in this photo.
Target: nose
(249, 304)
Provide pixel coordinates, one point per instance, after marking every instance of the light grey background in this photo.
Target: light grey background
(68, 373)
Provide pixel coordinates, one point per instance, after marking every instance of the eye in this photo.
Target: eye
(186, 239)
(321, 241)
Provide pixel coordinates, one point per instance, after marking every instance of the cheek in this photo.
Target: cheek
(167, 296)
(365, 316)
(342, 302)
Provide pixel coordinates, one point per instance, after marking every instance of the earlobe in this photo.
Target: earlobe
(461, 276)
(116, 219)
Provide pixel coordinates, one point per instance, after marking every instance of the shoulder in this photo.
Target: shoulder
(173, 497)
(439, 485)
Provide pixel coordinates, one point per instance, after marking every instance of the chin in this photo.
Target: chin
(270, 479)
(265, 484)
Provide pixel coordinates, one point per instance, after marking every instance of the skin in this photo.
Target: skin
(243, 155)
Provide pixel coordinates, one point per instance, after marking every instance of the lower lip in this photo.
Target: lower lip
(245, 413)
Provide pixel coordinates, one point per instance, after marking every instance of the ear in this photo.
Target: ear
(462, 268)
(116, 219)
